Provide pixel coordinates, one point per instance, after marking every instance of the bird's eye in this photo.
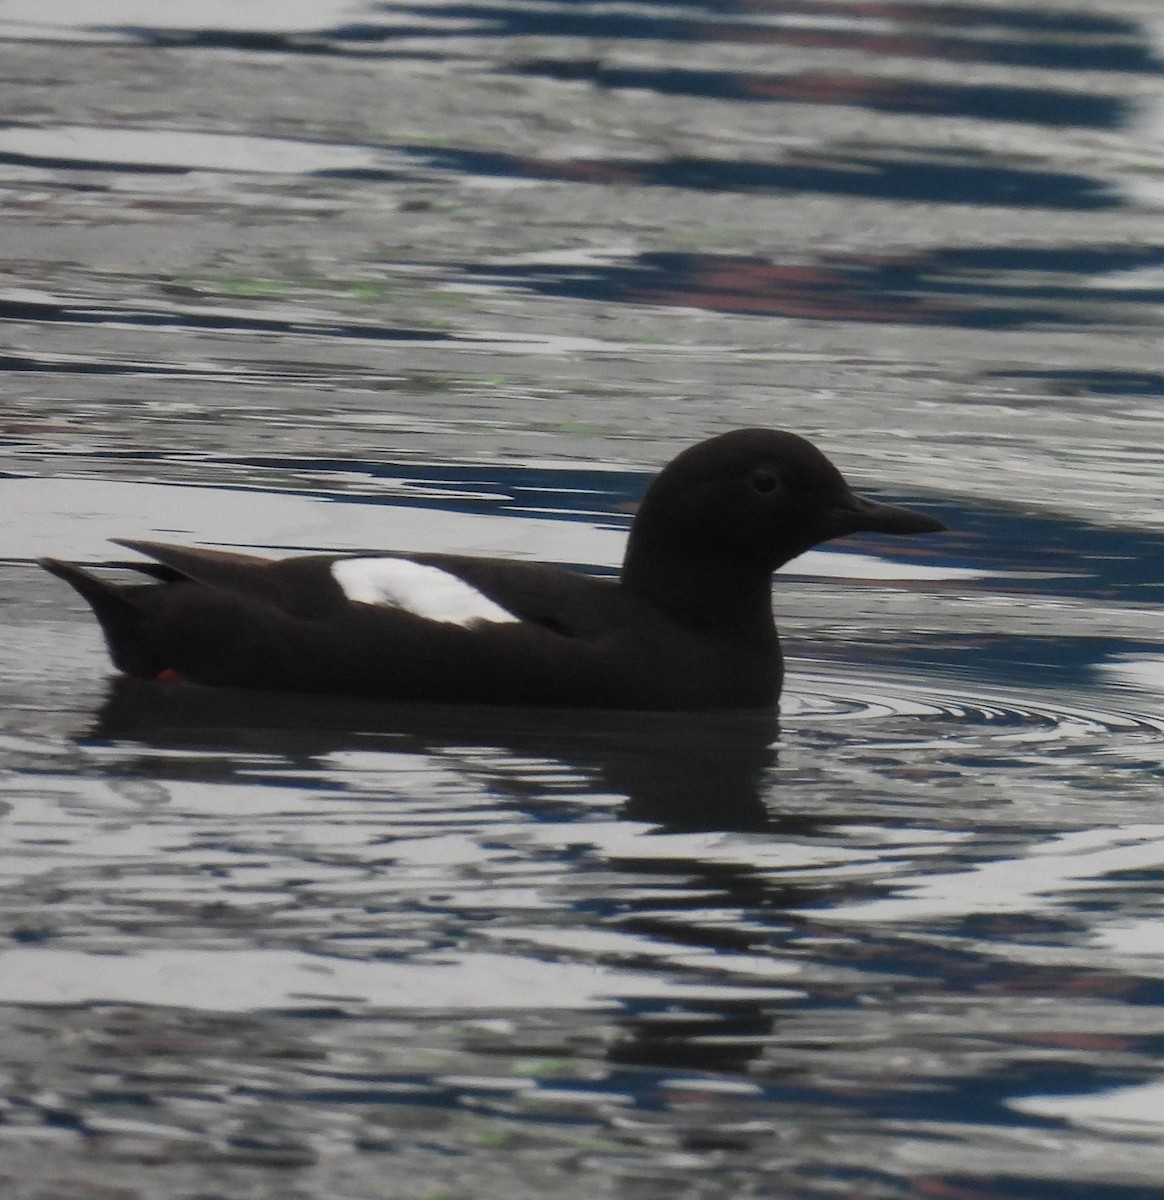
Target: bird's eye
(764, 481)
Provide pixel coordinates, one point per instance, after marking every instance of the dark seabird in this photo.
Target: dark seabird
(687, 624)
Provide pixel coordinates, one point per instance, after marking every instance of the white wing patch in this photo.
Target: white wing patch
(417, 588)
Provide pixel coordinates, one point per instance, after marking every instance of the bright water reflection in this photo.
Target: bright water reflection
(907, 919)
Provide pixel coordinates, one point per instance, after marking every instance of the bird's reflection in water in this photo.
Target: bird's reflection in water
(686, 772)
(682, 773)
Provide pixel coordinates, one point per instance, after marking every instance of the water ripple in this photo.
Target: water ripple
(818, 699)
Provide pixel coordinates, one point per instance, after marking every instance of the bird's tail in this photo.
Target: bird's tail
(120, 617)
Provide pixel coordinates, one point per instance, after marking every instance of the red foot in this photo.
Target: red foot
(168, 675)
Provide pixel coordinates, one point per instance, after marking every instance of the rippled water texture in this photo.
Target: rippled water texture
(316, 275)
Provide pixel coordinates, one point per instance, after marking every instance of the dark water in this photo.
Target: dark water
(461, 277)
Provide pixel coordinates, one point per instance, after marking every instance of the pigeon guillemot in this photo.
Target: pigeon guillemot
(687, 625)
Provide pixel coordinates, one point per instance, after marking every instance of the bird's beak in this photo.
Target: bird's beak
(855, 514)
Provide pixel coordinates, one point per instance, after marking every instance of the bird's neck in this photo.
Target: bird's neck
(703, 592)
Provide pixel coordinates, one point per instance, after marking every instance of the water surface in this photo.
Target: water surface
(462, 277)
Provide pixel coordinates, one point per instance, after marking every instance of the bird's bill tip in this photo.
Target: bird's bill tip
(868, 516)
